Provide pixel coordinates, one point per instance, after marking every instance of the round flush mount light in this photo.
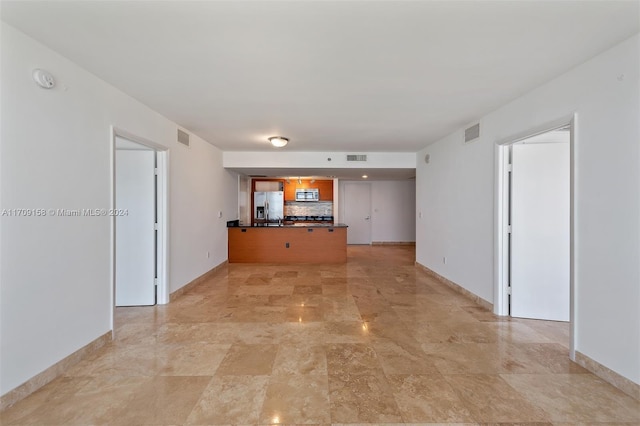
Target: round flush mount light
(278, 141)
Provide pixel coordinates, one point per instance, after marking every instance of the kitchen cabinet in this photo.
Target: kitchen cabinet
(267, 185)
(288, 244)
(325, 187)
(290, 191)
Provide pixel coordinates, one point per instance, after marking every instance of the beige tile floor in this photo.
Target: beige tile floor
(373, 341)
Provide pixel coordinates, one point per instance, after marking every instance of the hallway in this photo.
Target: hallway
(373, 341)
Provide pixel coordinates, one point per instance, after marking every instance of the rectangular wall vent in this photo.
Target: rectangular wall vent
(472, 133)
(356, 157)
(183, 137)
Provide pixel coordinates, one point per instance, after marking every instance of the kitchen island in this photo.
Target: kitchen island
(297, 243)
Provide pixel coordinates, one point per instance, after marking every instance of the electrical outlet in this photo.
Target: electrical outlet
(208, 255)
(444, 260)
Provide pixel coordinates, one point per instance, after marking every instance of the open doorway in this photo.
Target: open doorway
(535, 226)
(139, 222)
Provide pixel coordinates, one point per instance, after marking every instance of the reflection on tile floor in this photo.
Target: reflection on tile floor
(373, 341)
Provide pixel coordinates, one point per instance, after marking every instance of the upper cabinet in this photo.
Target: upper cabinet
(325, 188)
(289, 191)
(268, 185)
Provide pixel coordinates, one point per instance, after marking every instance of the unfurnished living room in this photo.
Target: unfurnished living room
(319, 212)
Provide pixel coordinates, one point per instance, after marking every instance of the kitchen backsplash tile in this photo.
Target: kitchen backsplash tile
(321, 208)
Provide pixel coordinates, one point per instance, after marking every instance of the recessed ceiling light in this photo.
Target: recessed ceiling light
(364, 176)
(278, 141)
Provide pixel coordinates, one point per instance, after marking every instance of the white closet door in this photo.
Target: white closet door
(540, 231)
(135, 233)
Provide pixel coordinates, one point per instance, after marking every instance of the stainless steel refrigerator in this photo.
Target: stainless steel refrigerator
(268, 206)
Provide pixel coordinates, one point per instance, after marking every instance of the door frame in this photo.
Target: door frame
(162, 207)
(502, 197)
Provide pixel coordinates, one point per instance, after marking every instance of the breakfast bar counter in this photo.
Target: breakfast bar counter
(297, 243)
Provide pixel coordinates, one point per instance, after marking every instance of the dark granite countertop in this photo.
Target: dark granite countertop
(295, 225)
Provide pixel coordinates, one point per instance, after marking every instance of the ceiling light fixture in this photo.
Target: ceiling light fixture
(278, 141)
(364, 176)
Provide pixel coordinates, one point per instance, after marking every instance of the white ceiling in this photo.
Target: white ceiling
(331, 76)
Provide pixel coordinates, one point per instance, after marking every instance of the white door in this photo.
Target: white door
(540, 231)
(357, 212)
(135, 234)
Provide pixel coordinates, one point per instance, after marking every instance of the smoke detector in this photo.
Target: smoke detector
(43, 78)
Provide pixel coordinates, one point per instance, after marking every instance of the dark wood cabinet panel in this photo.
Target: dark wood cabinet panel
(288, 245)
(325, 187)
(290, 190)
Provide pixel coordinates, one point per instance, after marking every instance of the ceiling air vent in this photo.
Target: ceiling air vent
(356, 157)
(183, 137)
(472, 133)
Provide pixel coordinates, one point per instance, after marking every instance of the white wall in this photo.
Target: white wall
(301, 160)
(244, 199)
(393, 210)
(393, 205)
(337, 215)
(456, 195)
(200, 189)
(55, 294)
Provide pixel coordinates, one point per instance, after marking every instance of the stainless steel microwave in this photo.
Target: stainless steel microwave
(308, 194)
